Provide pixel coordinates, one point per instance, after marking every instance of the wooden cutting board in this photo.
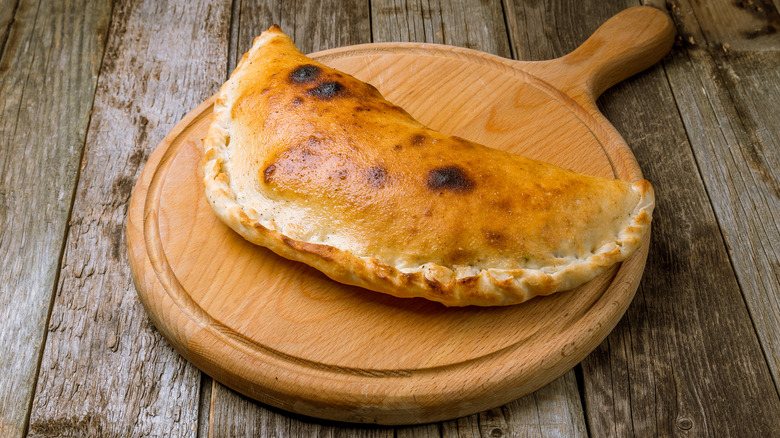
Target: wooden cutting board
(284, 334)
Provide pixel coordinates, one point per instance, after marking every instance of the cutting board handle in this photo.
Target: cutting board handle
(623, 46)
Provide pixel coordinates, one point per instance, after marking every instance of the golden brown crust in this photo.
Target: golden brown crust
(318, 167)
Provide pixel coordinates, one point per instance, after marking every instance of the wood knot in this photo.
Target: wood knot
(684, 423)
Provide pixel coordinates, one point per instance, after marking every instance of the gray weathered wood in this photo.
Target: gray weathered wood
(686, 358)
(419, 431)
(653, 375)
(313, 25)
(548, 29)
(475, 25)
(552, 411)
(742, 25)
(234, 415)
(204, 406)
(411, 20)
(48, 73)
(7, 10)
(105, 370)
(728, 104)
(726, 86)
(726, 83)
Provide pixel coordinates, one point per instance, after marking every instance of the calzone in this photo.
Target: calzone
(318, 167)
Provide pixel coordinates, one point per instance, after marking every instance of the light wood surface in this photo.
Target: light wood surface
(286, 335)
(692, 356)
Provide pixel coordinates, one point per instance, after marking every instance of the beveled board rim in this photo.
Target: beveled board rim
(271, 377)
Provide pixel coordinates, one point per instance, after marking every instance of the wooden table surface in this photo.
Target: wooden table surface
(89, 88)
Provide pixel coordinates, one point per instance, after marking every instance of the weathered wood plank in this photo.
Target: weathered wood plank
(475, 25)
(686, 358)
(728, 108)
(105, 370)
(419, 431)
(725, 94)
(234, 415)
(7, 10)
(552, 411)
(669, 367)
(728, 25)
(410, 20)
(549, 29)
(204, 406)
(48, 73)
(313, 25)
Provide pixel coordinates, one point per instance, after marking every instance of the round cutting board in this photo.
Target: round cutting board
(285, 334)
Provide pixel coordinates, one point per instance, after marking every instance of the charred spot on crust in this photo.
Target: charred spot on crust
(377, 176)
(326, 90)
(305, 74)
(297, 101)
(451, 178)
(268, 173)
(418, 139)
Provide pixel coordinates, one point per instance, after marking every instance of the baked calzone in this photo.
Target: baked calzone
(320, 168)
